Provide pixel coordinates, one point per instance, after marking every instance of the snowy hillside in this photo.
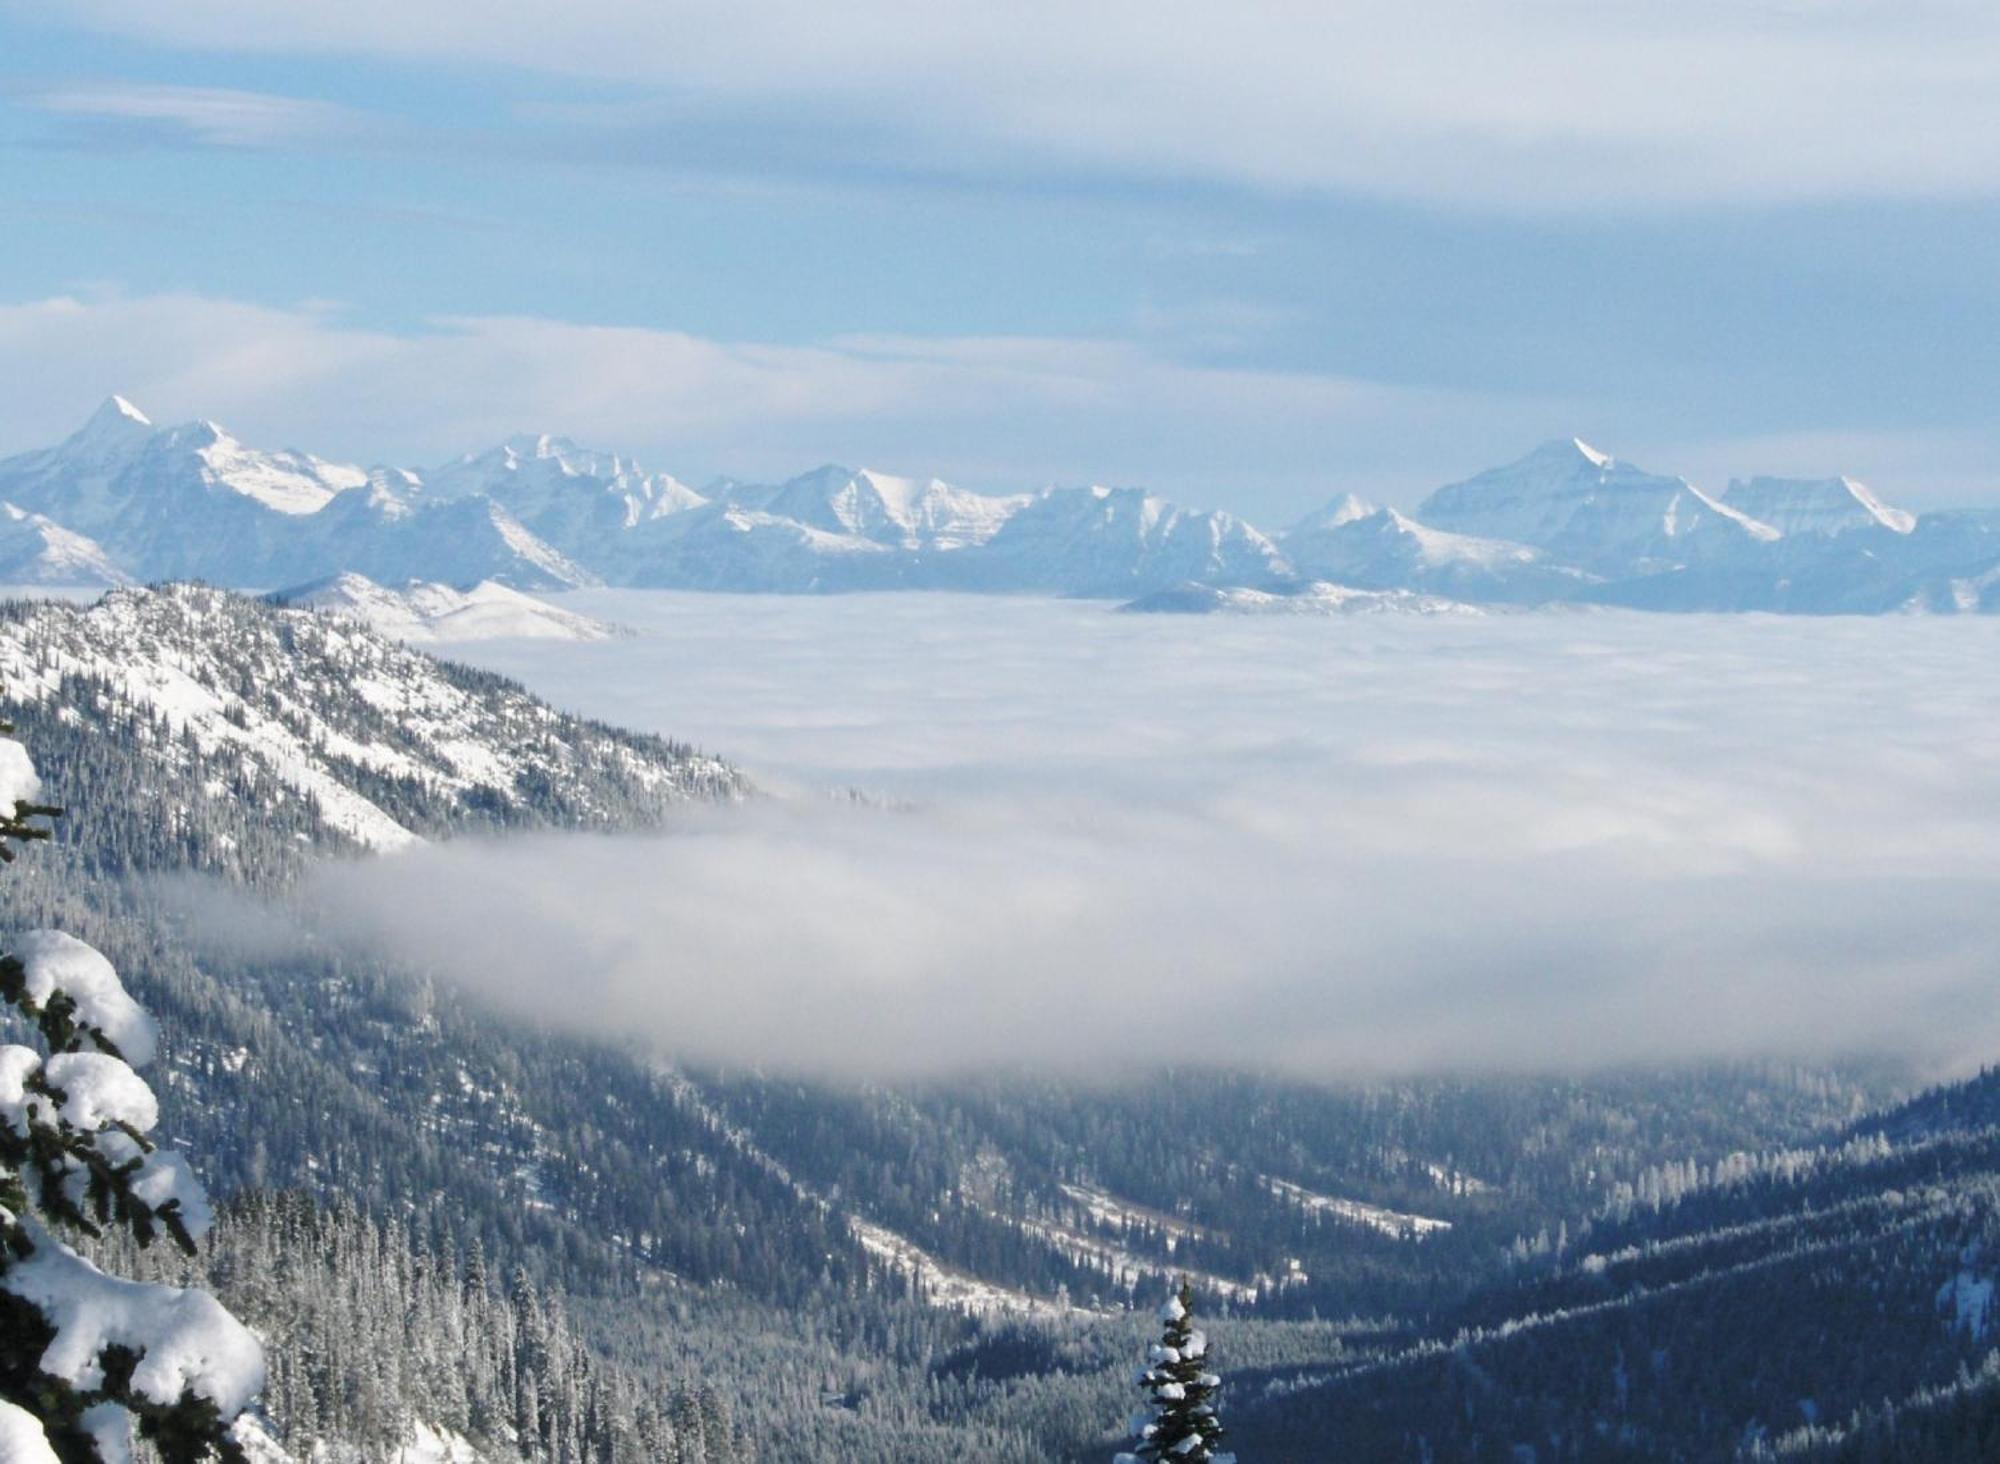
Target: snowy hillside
(374, 742)
(421, 612)
(121, 500)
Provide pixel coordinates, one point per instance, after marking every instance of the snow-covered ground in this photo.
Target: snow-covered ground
(946, 1286)
(1394, 1223)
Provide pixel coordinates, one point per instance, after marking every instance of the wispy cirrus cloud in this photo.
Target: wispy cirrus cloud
(103, 112)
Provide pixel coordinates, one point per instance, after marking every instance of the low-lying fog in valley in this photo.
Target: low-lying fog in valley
(1338, 846)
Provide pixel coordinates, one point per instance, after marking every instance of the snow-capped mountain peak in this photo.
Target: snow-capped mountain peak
(1565, 455)
(116, 420)
(883, 508)
(120, 499)
(1590, 509)
(113, 433)
(570, 495)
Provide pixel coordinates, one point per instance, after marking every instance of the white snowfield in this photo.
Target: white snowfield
(423, 613)
(947, 1287)
(1123, 1267)
(1393, 1223)
(121, 499)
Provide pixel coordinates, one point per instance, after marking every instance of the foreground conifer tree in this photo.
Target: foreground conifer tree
(86, 1357)
(1179, 1425)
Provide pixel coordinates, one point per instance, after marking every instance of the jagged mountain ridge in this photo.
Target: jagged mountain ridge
(121, 499)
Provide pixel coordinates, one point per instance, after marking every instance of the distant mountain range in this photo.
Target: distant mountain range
(121, 500)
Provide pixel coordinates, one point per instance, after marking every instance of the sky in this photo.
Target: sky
(1384, 844)
(1252, 254)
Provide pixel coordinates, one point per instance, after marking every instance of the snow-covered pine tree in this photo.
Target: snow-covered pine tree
(1179, 1423)
(86, 1356)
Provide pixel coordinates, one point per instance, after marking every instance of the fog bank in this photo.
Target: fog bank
(1326, 846)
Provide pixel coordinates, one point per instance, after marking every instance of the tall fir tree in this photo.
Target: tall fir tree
(86, 1357)
(1179, 1424)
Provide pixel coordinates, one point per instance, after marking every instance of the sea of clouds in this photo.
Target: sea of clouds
(1096, 841)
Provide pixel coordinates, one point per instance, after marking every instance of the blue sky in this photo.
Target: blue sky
(1252, 255)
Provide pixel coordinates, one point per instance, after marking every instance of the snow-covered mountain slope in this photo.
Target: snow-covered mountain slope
(727, 546)
(1119, 541)
(120, 453)
(422, 611)
(904, 513)
(381, 743)
(1589, 510)
(120, 499)
(392, 535)
(36, 550)
(1815, 505)
(194, 502)
(1317, 598)
(575, 498)
(1384, 550)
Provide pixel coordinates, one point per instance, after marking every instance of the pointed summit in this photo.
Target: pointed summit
(113, 430)
(120, 409)
(1567, 453)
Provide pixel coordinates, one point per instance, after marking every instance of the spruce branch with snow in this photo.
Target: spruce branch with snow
(1179, 1425)
(86, 1357)
(20, 797)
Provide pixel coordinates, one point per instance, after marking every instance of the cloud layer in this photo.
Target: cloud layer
(1539, 103)
(1330, 847)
